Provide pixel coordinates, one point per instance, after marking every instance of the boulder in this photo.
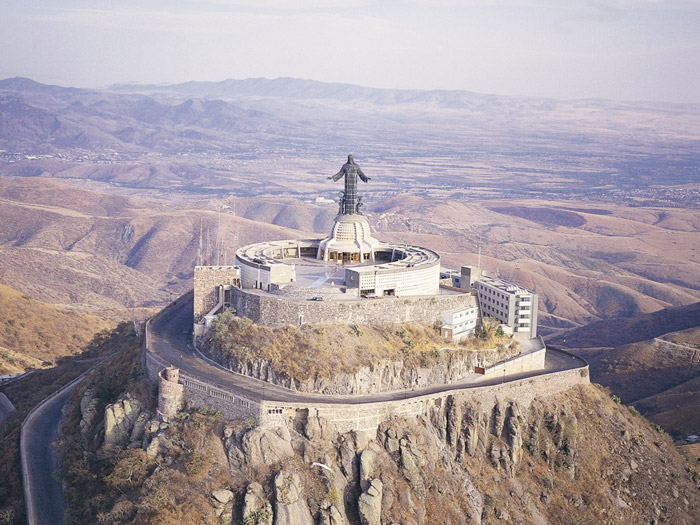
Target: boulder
(264, 446)
(155, 447)
(222, 495)
(368, 460)
(139, 428)
(369, 505)
(119, 420)
(290, 507)
(222, 500)
(256, 509)
(318, 428)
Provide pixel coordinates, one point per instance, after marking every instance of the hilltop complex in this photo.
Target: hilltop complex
(352, 277)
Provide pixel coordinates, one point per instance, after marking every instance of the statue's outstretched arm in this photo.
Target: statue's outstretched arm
(338, 175)
(364, 177)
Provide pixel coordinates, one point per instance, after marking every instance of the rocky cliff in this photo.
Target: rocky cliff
(382, 376)
(576, 457)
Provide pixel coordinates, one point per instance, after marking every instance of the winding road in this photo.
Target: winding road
(170, 339)
(43, 490)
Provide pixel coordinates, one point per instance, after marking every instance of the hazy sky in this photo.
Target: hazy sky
(618, 49)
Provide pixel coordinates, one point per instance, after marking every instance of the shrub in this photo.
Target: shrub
(196, 464)
(131, 470)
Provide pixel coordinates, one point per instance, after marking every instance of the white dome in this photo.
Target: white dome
(350, 235)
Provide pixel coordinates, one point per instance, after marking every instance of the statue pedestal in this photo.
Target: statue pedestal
(350, 241)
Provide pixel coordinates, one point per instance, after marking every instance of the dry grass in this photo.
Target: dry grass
(323, 351)
(34, 334)
(25, 394)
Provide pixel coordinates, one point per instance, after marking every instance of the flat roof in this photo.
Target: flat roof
(324, 280)
(502, 284)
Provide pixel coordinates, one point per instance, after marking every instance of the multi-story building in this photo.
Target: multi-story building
(508, 303)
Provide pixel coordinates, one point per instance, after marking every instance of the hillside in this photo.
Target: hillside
(108, 253)
(32, 389)
(611, 232)
(93, 247)
(621, 331)
(208, 137)
(33, 334)
(385, 358)
(554, 461)
(647, 365)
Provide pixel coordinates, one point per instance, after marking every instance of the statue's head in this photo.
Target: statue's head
(351, 160)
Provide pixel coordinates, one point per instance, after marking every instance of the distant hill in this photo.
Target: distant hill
(48, 119)
(617, 332)
(651, 361)
(34, 333)
(301, 89)
(304, 89)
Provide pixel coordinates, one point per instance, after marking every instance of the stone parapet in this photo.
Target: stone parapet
(198, 393)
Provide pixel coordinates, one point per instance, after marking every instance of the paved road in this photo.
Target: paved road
(43, 493)
(170, 337)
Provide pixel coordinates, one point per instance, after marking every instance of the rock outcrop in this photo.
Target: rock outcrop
(369, 504)
(383, 376)
(88, 411)
(471, 459)
(120, 418)
(262, 446)
(256, 509)
(290, 507)
(222, 500)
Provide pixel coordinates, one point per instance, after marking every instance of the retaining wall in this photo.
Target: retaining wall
(525, 363)
(367, 417)
(274, 311)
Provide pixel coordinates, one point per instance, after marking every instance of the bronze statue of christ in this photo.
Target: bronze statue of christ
(350, 203)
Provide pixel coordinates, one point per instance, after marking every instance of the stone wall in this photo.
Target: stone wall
(366, 417)
(199, 393)
(274, 311)
(524, 363)
(206, 281)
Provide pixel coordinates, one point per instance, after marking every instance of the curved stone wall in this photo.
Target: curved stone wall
(363, 416)
(366, 417)
(268, 310)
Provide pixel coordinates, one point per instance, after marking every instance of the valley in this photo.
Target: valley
(108, 199)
